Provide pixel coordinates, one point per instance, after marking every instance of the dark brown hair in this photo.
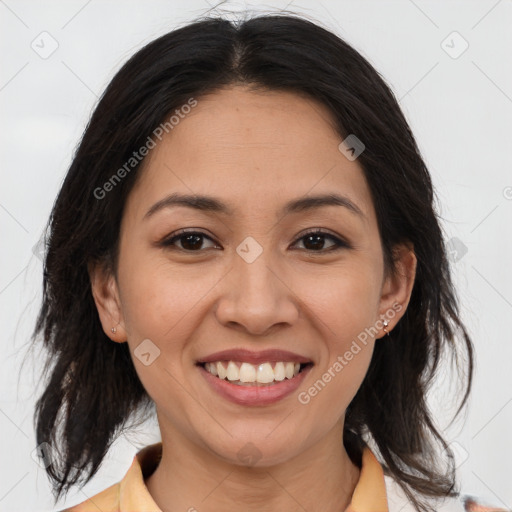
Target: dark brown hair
(92, 388)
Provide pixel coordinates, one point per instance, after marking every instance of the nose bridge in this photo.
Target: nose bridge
(257, 296)
(255, 276)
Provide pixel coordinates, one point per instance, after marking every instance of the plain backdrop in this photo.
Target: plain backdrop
(449, 65)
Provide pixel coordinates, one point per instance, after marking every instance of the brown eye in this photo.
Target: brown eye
(193, 241)
(190, 241)
(314, 241)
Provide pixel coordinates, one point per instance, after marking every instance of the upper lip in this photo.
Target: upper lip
(250, 356)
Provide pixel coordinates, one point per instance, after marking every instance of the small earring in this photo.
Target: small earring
(114, 330)
(386, 323)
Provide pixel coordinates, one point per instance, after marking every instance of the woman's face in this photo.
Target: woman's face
(251, 281)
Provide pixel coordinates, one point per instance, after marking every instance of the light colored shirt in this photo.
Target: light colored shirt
(374, 492)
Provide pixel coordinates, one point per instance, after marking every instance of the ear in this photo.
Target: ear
(397, 287)
(106, 296)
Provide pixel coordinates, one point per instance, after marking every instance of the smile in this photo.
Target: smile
(254, 378)
(243, 373)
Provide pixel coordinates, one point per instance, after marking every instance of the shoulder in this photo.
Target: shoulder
(130, 492)
(106, 501)
(398, 501)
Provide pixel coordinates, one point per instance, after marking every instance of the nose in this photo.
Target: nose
(257, 297)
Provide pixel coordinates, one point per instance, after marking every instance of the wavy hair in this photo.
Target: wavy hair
(92, 388)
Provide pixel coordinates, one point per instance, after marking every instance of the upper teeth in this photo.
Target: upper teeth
(246, 372)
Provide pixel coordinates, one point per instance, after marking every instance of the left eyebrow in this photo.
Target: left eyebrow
(318, 201)
(214, 205)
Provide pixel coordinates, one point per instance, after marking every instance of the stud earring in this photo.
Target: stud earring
(386, 323)
(114, 330)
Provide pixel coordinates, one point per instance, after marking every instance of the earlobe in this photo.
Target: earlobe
(397, 287)
(106, 297)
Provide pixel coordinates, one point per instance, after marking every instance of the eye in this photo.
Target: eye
(191, 241)
(315, 239)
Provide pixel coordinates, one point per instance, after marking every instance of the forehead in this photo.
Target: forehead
(255, 149)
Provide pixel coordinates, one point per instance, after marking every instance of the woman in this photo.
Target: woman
(246, 241)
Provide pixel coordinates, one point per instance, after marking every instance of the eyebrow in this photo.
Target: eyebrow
(211, 204)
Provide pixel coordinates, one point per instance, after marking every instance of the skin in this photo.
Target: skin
(254, 151)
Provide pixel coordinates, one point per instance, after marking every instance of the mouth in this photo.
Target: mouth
(254, 378)
(243, 373)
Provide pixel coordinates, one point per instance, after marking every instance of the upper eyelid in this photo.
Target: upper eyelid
(311, 231)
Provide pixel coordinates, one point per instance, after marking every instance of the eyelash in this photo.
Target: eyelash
(338, 243)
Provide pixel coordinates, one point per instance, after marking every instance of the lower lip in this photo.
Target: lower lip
(254, 395)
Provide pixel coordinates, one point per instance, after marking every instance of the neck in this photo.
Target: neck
(188, 478)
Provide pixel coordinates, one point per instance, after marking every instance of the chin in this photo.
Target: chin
(256, 451)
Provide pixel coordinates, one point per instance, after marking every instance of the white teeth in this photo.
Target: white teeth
(249, 373)
(288, 370)
(265, 373)
(279, 372)
(233, 373)
(212, 368)
(221, 371)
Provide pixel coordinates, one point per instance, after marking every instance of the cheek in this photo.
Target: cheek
(344, 306)
(157, 308)
(161, 303)
(346, 300)
(157, 297)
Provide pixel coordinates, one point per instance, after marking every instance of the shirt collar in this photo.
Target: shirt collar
(369, 494)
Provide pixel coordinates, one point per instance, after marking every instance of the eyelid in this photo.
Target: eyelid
(167, 241)
(339, 242)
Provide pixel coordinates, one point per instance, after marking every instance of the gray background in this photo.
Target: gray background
(458, 104)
